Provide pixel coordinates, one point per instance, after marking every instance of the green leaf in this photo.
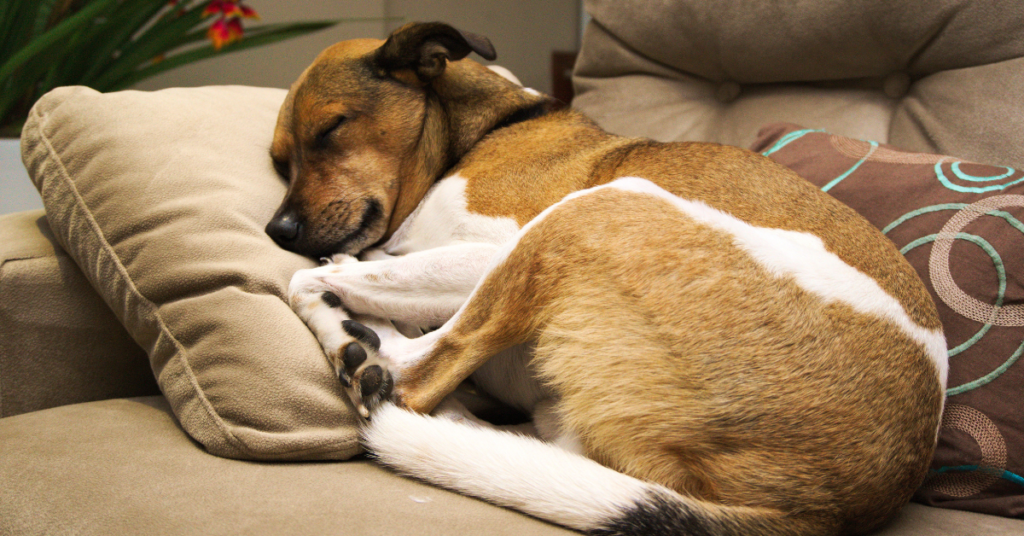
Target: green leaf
(53, 37)
(19, 23)
(164, 36)
(78, 53)
(17, 86)
(108, 44)
(98, 54)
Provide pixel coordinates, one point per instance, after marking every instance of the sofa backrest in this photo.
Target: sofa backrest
(939, 76)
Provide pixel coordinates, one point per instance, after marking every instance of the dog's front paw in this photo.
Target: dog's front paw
(364, 373)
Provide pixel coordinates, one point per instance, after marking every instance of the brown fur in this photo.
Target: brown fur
(732, 398)
(395, 143)
(748, 186)
(677, 359)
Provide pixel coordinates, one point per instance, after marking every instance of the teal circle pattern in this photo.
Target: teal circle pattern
(1000, 271)
(997, 261)
(970, 178)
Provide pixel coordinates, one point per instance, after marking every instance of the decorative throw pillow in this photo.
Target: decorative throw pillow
(161, 199)
(960, 225)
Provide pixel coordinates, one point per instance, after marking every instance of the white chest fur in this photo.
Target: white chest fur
(442, 219)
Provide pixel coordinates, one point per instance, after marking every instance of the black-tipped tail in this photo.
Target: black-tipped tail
(659, 514)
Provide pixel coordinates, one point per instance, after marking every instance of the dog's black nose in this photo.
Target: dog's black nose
(285, 229)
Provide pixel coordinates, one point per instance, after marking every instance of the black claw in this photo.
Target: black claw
(344, 378)
(332, 300)
(361, 332)
(354, 356)
(370, 383)
(385, 390)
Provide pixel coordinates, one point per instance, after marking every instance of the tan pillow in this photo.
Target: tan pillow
(161, 199)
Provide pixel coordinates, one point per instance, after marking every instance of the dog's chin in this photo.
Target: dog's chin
(369, 230)
(358, 244)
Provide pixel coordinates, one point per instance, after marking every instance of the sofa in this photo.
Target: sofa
(154, 381)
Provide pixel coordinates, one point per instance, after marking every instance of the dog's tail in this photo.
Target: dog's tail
(552, 484)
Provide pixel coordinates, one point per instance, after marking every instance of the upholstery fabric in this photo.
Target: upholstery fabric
(59, 343)
(126, 467)
(161, 199)
(959, 224)
(939, 76)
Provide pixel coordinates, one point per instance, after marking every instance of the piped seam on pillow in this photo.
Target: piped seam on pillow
(107, 249)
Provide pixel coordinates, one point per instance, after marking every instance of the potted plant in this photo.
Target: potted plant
(110, 45)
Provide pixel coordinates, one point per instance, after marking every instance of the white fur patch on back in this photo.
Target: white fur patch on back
(442, 218)
(782, 253)
(803, 257)
(506, 74)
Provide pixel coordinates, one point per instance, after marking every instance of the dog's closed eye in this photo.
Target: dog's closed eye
(282, 168)
(321, 137)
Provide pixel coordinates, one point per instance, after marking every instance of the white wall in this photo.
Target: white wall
(524, 32)
(16, 190)
(278, 65)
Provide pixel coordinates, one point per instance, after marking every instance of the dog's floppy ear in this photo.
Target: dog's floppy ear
(426, 47)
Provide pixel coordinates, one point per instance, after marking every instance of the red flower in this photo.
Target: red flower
(229, 9)
(228, 26)
(213, 8)
(224, 32)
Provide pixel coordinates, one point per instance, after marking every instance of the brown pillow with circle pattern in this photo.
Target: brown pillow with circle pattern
(960, 224)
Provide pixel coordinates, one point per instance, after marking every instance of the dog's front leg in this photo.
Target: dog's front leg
(322, 314)
(423, 288)
(420, 289)
(504, 309)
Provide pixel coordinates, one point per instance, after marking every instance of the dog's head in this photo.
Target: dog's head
(367, 128)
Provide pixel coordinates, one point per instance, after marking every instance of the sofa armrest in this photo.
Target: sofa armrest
(59, 342)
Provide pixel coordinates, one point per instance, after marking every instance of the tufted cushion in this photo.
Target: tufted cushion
(941, 76)
(161, 199)
(960, 225)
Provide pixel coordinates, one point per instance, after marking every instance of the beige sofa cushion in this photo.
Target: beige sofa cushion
(938, 76)
(124, 467)
(161, 199)
(59, 343)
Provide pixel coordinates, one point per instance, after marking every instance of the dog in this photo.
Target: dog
(707, 344)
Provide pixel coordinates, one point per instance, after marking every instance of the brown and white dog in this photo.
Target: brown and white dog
(708, 344)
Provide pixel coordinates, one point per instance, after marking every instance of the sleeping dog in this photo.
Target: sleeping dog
(707, 344)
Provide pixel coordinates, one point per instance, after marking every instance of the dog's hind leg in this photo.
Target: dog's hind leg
(503, 310)
(506, 308)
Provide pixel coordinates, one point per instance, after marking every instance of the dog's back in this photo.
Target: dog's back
(568, 152)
